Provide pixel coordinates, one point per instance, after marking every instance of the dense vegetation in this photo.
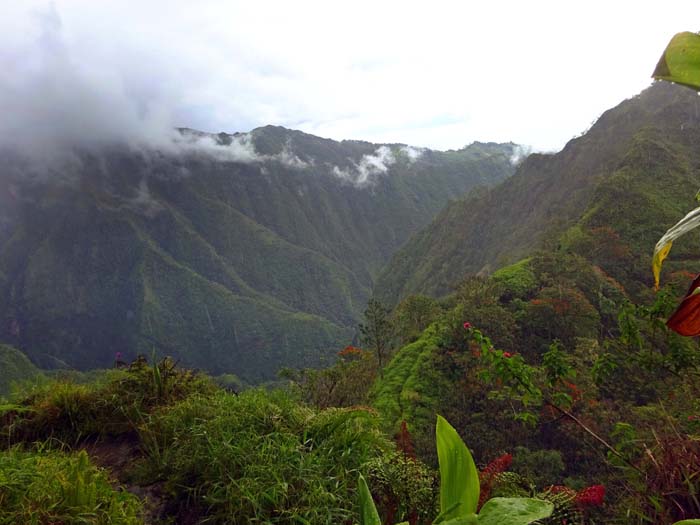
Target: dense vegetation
(237, 260)
(47, 486)
(523, 314)
(174, 448)
(577, 375)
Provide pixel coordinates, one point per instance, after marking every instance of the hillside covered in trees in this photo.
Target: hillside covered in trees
(524, 314)
(320, 263)
(234, 253)
(617, 188)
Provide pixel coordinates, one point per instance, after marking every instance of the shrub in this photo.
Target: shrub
(460, 490)
(261, 457)
(113, 403)
(48, 487)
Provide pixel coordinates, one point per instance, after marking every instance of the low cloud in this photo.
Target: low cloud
(412, 153)
(52, 104)
(142, 202)
(57, 106)
(231, 148)
(365, 172)
(519, 154)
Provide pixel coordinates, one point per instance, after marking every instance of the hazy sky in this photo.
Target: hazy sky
(431, 73)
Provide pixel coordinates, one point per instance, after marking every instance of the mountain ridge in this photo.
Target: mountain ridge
(236, 253)
(488, 229)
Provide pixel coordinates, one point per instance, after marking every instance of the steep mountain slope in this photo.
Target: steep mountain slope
(238, 253)
(583, 261)
(635, 171)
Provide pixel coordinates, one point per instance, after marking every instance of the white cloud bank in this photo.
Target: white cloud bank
(240, 148)
(438, 75)
(365, 172)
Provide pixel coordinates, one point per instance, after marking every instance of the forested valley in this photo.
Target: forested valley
(288, 329)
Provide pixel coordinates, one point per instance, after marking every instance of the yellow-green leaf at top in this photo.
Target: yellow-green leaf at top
(459, 479)
(663, 247)
(680, 62)
(688, 522)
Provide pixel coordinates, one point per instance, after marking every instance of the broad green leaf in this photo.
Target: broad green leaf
(368, 512)
(688, 522)
(459, 479)
(470, 519)
(444, 513)
(514, 511)
(680, 61)
(687, 223)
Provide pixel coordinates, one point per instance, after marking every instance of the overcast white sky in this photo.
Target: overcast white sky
(434, 73)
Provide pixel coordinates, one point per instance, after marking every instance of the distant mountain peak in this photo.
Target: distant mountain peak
(655, 134)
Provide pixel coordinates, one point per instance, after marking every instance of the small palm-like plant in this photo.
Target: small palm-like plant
(459, 491)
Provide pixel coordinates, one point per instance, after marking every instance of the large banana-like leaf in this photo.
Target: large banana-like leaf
(663, 247)
(686, 319)
(514, 511)
(680, 62)
(459, 479)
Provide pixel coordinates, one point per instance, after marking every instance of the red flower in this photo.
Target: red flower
(498, 465)
(487, 477)
(592, 496)
(507, 355)
(467, 325)
(350, 351)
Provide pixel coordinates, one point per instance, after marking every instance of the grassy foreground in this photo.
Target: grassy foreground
(158, 444)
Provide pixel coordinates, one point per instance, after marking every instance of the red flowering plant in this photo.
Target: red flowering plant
(489, 475)
(351, 352)
(515, 381)
(532, 390)
(571, 506)
(592, 496)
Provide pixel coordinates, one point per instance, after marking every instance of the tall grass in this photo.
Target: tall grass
(261, 457)
(50, 487)
(114, 403)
